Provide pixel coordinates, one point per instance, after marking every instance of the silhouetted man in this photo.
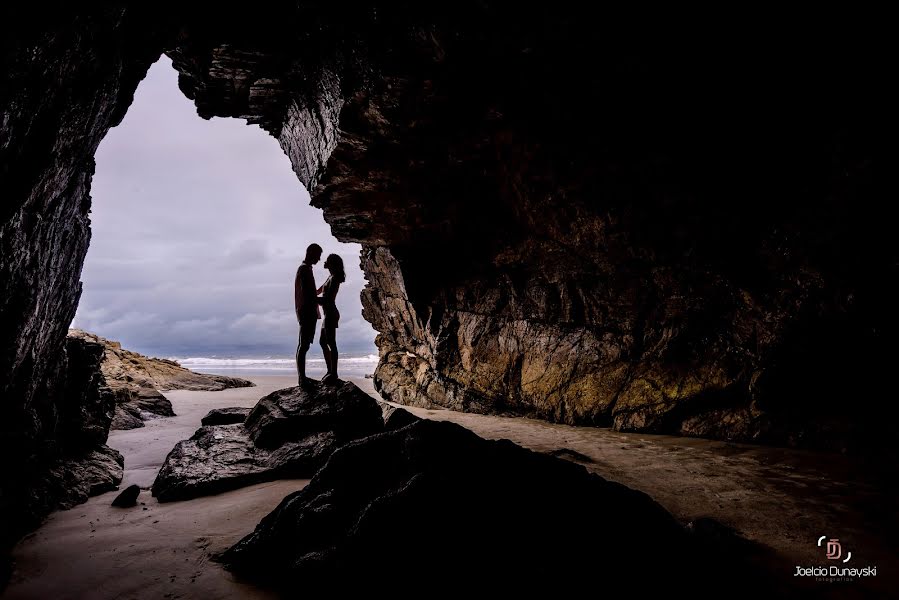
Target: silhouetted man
(305, 299)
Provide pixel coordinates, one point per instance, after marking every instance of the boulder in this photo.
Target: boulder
(218, 458)
(433, 495)
(150, 400)
(126, 417)
(293, 412)
(226, 416)
(128, 497)
(289, 433)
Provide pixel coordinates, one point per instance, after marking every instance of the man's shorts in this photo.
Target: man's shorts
(307, 330)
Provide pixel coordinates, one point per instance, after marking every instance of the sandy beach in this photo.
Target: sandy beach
(153, 550)
(163, 550)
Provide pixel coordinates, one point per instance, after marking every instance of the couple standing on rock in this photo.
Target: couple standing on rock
(306, 297)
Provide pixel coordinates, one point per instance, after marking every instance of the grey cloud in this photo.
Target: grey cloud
(247, 253)
(198, 228)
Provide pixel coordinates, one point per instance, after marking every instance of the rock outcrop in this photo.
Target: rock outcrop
(290, 433)
(433, 497)
(136, 381)
(77, 465)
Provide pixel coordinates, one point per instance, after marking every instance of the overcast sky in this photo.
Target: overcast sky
(198, 229)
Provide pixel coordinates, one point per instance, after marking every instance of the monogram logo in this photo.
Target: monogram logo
(834, 551)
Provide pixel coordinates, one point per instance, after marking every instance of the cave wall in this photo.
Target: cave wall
(680, 236)
(67, 78)
(657, 233)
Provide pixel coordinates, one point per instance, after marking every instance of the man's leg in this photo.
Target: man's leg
(301, 361)
(302, 348)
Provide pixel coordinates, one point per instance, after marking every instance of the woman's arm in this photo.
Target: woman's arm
(331, 292)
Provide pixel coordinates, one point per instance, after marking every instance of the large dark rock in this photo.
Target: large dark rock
(83, 420)
(298, 429)
(72, 480)
(226, 416)
(78, 464)
(291, 413)
(152, 401)
(219, 458)
(435, 505)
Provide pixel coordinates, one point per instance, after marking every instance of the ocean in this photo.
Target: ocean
(350, 365)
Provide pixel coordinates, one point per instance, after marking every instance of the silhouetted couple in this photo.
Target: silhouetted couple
(307, 300)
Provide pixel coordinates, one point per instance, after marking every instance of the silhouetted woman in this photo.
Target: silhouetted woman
(328, 290)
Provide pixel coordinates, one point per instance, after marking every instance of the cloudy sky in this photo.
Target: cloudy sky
(198, 229)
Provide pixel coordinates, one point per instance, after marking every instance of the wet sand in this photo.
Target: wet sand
(783, 499)
(152, 550)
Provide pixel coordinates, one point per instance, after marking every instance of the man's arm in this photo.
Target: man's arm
(308, 285)
(298, 292)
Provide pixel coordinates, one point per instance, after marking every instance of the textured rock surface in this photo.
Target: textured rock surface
(603, 233)
(126, 417)
(394, 417)
(226, 416)
(293, 412)
(74, 466)
(136, 379)
(218, 458)
(66, 80)
(437, 495)
(73, 479)
(289, 433)
(591, 245)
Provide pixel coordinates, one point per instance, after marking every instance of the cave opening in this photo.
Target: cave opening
(198, 227)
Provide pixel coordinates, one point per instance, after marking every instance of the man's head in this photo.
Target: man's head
(313, 254)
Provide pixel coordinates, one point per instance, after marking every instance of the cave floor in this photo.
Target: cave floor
(782, 499)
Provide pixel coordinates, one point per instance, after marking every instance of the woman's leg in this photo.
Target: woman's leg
(332, 344)
(326, 350)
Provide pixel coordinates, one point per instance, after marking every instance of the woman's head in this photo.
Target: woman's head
(335, 264)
